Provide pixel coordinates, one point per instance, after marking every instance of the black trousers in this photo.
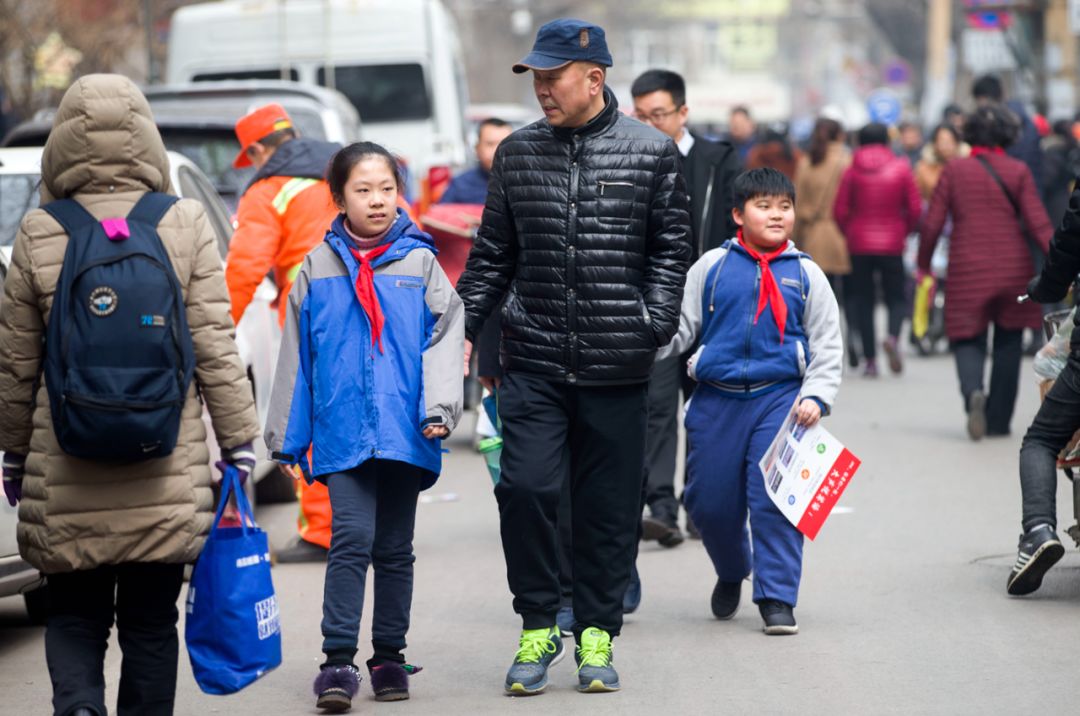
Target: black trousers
(1054, 425)
(1004, 374)
(566, 549)
(142, 598)
(662, 438)
(866, 271)
(593, 437)
(841, 286)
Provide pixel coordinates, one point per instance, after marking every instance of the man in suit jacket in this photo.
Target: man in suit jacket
(709, 168)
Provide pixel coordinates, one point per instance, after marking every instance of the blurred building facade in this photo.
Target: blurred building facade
(789, 59)
(785, 59)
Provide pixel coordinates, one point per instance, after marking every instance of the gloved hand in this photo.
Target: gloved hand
(14, 468)
(1039, 292)
(242, 457)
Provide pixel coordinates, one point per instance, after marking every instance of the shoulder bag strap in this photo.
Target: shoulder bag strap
(1035, 248)
(151, 207)
(70, 214)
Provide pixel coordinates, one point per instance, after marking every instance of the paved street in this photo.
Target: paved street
(903, 607)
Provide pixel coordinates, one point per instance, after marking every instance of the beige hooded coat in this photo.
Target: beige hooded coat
(105, 152)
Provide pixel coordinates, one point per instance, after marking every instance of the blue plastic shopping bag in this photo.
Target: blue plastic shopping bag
(233, 630)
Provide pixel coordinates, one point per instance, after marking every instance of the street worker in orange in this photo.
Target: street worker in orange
(282, 215)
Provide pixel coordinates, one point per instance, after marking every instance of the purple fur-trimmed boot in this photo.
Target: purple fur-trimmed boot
(335, 687)
(390, 680)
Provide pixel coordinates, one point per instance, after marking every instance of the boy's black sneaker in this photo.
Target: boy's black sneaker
(725, 599)
(779, 617)
(1039, 550)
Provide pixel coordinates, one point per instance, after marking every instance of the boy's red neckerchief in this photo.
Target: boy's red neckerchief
(365, 290)
(770, 291)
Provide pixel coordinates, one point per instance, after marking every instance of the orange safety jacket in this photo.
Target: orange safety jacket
(280, 220)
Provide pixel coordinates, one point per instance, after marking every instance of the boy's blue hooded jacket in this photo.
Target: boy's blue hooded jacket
(335, 392)
(744, 358)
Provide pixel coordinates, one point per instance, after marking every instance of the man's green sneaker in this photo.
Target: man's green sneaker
(538, 650)
(593, 656)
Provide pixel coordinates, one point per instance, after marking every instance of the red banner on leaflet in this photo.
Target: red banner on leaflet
(828, 493)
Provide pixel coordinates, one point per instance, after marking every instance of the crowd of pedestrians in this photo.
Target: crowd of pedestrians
(623, 263)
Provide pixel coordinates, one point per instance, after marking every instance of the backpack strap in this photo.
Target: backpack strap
(151, 207)
(70, 214)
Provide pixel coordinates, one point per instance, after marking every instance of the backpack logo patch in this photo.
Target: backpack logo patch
(103, 301)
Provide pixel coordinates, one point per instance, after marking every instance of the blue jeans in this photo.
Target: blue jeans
(374, 512)
(728, 437)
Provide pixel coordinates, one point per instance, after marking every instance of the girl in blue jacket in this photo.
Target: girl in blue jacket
(369, 378)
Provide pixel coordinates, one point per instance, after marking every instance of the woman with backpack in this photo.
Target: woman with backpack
(112, 532)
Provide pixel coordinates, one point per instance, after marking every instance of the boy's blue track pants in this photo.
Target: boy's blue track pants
(728, 437)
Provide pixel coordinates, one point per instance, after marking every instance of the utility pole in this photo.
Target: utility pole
(937, 92)
(1060, 89)
(148, 24)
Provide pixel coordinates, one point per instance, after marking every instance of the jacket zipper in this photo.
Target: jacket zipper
(369, 364)
(571, 264)
(706, 216)
(749, 325)
(716, 280)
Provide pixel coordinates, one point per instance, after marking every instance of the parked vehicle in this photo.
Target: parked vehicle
(257, 335)
(16, 190)
(197, 120)
(398, 61)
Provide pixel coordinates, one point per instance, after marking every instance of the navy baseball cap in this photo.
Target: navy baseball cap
(562, 41)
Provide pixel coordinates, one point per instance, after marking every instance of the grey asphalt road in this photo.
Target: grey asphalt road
(902, 610)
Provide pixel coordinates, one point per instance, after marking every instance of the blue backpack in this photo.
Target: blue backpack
(118, 351)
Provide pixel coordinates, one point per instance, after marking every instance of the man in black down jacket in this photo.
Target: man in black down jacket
(585, 232)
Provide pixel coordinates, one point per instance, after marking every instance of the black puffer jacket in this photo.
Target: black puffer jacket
(588, 229)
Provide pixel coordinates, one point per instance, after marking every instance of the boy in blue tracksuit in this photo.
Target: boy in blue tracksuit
(769, 331)
(369, 377)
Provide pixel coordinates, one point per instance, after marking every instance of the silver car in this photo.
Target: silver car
(257, 335)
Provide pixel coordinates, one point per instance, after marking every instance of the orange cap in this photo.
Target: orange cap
(256, 125)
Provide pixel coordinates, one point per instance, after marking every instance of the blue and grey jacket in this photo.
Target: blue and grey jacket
(746, 359)
(337, 393)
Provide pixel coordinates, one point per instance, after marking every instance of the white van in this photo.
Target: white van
(398, 61)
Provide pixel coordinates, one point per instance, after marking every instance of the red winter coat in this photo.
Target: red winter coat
(989, 259)
(877, 204)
